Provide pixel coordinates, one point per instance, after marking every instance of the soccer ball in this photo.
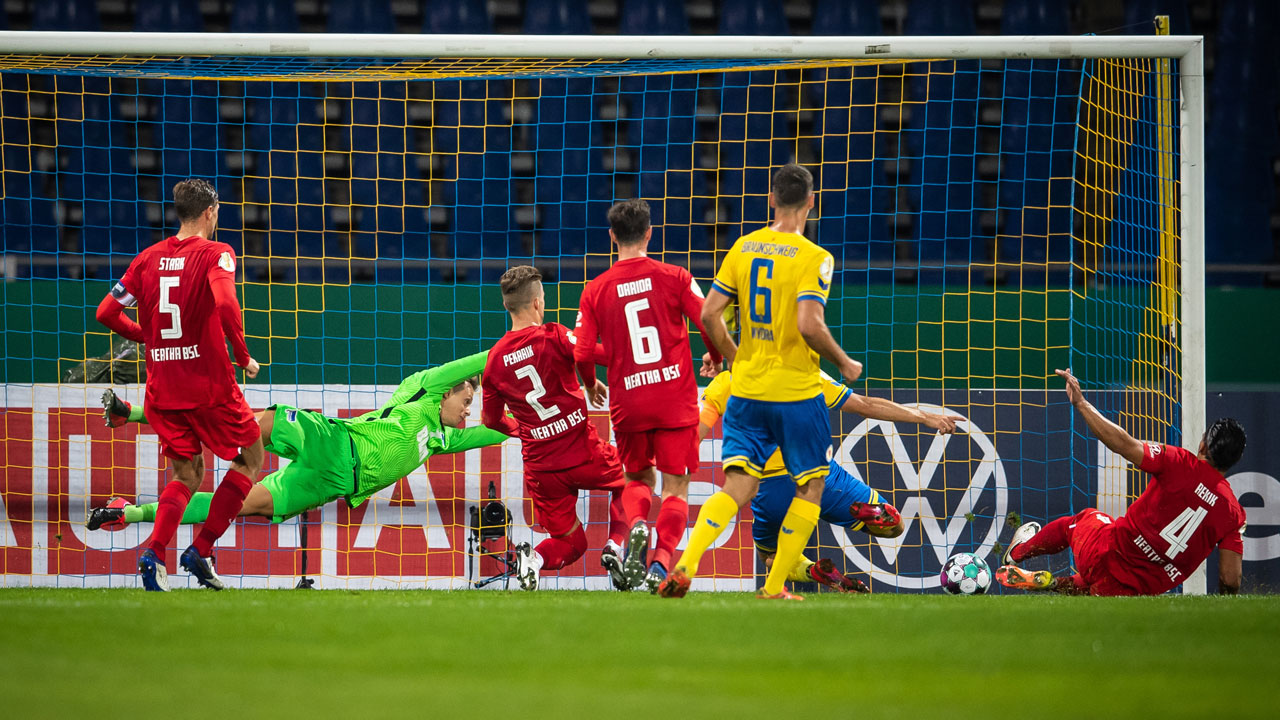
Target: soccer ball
(965, 574)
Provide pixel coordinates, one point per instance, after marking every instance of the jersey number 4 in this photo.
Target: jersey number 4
(1179, 532)
(174, 330)
(532, 397)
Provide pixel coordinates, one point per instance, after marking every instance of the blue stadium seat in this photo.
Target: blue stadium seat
(65, 15)
(1242, 135)
(571, 188)
(854, 197)
(1035, 17)
(29, 211)
(167, 16)
(456, 16)
(846, 17)
(264, 16)
(361, 16)
(659, 129)
(940, 17)
(753, 17)
(653, 17)
(556, 17)
(470, 129)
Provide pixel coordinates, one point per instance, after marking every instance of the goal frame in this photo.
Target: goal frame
(1187, 49)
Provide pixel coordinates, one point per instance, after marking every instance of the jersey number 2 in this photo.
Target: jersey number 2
(175, 315)
(1179, 532)
(544, 413)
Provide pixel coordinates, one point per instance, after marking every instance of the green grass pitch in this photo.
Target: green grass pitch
(238, 654)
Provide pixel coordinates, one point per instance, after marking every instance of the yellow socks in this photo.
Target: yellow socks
(800, 573)
(797, 527)
(717, 512)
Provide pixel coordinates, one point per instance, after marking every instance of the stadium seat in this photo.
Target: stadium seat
(653, 17)
(456, 16)
(1242, 135)
(65, 15)
(1035, 17)
(264, 16)
(167, 16)
(556, 17)
(846, 17)
(940, 17)
(571, 188)
(753, 17)
(361, 16)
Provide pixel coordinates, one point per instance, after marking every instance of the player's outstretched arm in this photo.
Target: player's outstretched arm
(456, 441)
(714, 328)
(812, 323)
(111, 314)
(1112, 435)
(882, 409)
(493, 413)
(438, 380)
(1229, 571)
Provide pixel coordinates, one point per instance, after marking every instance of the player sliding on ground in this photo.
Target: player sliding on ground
(333, 458)
(1186, 510)
(185, 290)
(531, 370)
(846, 500)
(780, 280)
(638, 307)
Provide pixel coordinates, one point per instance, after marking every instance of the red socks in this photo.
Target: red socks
(673, 518)
(617, 519)
(223, 508)
(637, 498)
(557, 552)
(1052, 538)
(173, 502)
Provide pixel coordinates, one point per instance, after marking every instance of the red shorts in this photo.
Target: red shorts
(673, 452)
(555, 493)
(224, 429)
(1092, 541)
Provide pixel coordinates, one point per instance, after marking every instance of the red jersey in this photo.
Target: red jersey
(638, 308)
(185, 293)
(531, 371)
(1187, 509)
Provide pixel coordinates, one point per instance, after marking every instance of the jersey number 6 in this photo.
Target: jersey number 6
(761, 266)
(644, 338)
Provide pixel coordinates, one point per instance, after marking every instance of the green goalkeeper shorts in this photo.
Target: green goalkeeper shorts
(321, 467)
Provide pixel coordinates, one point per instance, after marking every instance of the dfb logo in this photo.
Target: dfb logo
(933, 494)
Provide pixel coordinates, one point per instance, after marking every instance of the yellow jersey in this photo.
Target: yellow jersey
(716, 397)
(768, 273)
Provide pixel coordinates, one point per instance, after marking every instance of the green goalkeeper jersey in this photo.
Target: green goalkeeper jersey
(397, 439)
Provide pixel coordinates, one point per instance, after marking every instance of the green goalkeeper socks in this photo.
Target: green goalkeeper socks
(196, 512)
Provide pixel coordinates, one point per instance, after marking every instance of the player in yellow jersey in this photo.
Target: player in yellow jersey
(780, 280)
(846, 500)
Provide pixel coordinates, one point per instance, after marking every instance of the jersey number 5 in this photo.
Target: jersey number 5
(544, 413)
(175, 316)
(760, 291)
(1179, 532)
(644, 338)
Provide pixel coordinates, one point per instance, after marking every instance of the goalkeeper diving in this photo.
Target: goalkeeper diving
(333, 458)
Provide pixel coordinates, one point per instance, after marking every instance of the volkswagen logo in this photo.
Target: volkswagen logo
(936, 509)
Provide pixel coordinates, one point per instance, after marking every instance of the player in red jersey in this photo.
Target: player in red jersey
(531, 371)
(639, 307)
(185, 291)
(1187, 509)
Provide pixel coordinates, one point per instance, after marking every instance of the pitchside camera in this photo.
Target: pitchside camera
(492, 520)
